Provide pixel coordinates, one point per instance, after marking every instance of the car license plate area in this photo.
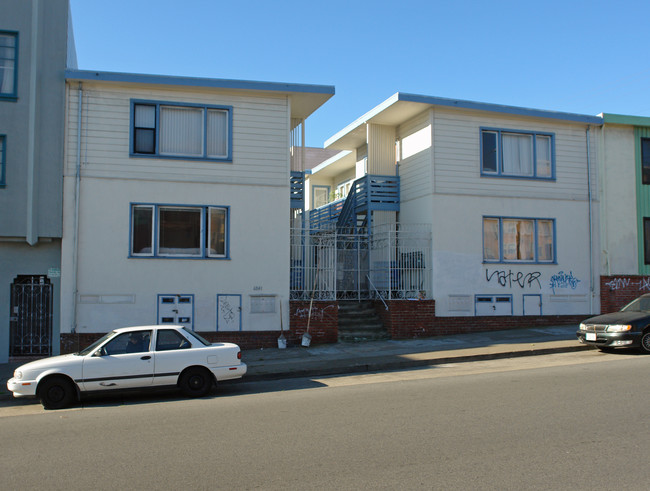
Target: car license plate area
(590, 336)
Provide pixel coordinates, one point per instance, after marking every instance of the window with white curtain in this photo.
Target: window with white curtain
(181, 131)
(8, 58)
(510, 240)
(508, 153)
(179, 231)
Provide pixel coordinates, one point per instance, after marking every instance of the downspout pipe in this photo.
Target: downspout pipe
(32, 192)
(75, 233)
(591, 237)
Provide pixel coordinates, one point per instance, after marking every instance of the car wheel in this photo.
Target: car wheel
(196, 382)
(56, 393)
(645, 341)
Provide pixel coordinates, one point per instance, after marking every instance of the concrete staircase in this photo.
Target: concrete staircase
(359, 322)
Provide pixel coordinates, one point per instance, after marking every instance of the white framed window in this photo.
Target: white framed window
(320, 196)
(511, 153)
(176, 231)
(515, 240)
(8, 61)
(183, 131)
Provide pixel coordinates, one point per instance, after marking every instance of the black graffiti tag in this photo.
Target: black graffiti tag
(510, 278)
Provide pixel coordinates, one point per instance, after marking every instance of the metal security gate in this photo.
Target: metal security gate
(30, 322)
(391, 263)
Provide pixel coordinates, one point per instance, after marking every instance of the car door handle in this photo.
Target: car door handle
(145, 357)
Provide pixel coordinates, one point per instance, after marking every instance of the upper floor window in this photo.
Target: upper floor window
(179, 231)
(8, 59)
(509, 153)
(518, 240)
(645, 160)
(184, 131)
(2, 160)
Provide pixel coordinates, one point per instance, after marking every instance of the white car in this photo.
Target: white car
(131, 357)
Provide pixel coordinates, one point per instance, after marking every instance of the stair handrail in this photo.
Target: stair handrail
(380, 297)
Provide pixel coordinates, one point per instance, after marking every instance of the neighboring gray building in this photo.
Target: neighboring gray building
(36, 46)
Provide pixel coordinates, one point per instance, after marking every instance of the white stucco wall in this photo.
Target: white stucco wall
(117, 290)
(618, 191)
(441, 184)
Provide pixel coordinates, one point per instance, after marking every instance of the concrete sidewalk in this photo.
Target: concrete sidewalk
(265, 364)
(340, 358)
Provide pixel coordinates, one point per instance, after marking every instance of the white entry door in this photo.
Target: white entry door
(228, 312)
(532, 305)
(176, 309)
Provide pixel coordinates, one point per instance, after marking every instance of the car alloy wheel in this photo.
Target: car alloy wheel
(645, 342)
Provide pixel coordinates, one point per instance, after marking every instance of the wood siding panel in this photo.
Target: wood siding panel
(416, 170)
(458, 166)
(259, 140)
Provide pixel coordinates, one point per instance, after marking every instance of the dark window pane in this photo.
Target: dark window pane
(646, 240)
(142, 228)
(144, 140)
(170, 340)
(180, 231)
(645, 160)
(489, 149)
(217, 232)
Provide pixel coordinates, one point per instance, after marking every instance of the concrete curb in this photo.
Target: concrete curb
(395, 362)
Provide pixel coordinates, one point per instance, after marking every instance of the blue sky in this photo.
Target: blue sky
(576, 56)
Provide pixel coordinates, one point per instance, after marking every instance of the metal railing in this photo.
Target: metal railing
(392, 263)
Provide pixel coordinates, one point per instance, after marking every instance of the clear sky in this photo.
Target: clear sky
(581, 56)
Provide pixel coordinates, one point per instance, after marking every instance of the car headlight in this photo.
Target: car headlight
(583, 327)
(619, 327)
(18, 375)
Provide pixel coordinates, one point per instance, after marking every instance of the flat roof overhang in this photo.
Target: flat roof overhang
(401, 107)
(305, 99)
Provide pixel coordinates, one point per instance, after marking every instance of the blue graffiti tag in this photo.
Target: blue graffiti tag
(564, 280)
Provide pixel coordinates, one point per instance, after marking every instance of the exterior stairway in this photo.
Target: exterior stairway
(359, 322)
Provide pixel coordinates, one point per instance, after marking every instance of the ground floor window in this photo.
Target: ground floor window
(646, 240)
(179, 231)
(518, 240)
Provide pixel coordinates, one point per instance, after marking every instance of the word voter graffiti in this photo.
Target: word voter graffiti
(643, 284)
(564, 280)
(511, 278)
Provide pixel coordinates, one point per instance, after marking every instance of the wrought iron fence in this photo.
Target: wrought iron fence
(394, 262)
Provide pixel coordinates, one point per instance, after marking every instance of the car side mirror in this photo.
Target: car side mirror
(100, 352)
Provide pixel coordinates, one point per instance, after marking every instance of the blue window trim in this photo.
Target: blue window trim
(3, 160)
(536, 248)
(160, 295)
(156, 154)
(14, 95)
(155, 232)
(499, 172)
(241, 327)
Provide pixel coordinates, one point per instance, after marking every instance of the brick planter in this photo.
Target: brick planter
(618, 291)
(324, 324)
(409, 319)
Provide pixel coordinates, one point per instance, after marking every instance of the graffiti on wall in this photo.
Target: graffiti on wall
(514, 278)
(564, 280)
(317, 313)
(643, 284)
(518, 279)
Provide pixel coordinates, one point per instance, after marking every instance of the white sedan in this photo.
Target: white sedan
(131, 357)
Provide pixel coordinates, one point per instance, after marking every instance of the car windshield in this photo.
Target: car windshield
(641, 304)
(93, 347)
(196, 336)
